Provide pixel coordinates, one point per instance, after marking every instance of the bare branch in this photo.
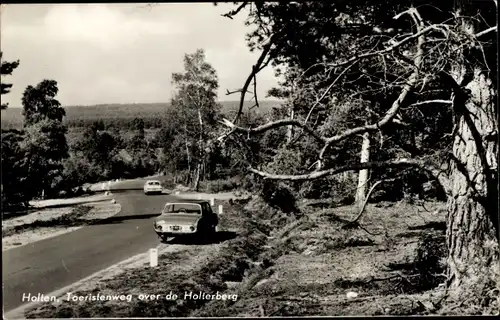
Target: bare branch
(391, 113)
(429, 102)
(232, 13)
(272, 125)
(326, 91)
(235, 91)
(255, 69)
(364, 203)
(434, 27)
(255, 91)
(482, 33)
(423, 164)
(398, 163)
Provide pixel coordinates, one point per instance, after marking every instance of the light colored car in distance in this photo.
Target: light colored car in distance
(187, 217)
(153, 187)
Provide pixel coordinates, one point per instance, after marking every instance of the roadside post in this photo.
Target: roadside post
(153, 257)
(220, 208)
(212, 202)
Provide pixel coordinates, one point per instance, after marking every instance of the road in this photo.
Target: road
(54, 263)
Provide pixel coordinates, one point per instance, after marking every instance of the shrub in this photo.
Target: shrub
(220, 185)
(341, 188)
(278, 196)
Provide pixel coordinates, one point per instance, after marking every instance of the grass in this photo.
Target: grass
(317, 261)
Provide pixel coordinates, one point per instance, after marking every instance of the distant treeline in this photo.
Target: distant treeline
(119, 115)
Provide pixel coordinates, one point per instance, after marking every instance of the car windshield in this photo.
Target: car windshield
(191, 208)
(154, 183)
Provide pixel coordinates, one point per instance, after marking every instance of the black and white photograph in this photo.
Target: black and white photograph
(250, 159)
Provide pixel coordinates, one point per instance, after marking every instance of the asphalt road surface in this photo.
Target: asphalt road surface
(54, 263)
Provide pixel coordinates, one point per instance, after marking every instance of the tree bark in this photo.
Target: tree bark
(289, 133)
(472, 221)
(363, 174)
(196, 182)
(201, 152)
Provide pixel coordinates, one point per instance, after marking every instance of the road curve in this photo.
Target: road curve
(53, 263)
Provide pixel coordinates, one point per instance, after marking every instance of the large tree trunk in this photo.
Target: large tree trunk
(363, 174)
(472, 222)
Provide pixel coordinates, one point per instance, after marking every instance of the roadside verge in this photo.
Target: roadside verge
(51, 222)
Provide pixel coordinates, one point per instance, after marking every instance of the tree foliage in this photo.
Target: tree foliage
(45, 136)
(39, 103)
(13, 176)
(191, 123)
(6, 69)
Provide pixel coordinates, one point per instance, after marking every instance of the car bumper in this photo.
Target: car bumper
(165, 230)
(174, 233)
(153, 190)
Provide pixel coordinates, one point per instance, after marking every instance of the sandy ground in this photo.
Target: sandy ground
(100, 210)
(40, 215)
(317, 270)
(223, 196)
(69, 201)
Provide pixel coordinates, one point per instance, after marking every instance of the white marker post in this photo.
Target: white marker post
(153, 257)
(220, 208)
(212, 202)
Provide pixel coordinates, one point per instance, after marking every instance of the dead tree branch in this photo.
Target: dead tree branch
(364, 204)
(255, 69)
(272, 125)
(326, 91)
(232, 13)
(398, 163)
(482, 33)
(391, 113)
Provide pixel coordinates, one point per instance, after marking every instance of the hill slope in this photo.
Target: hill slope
(152, 113)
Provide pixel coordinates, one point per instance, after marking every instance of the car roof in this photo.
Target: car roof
(193, 201)
(152, 181)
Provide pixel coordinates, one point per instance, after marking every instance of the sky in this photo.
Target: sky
(122, 53)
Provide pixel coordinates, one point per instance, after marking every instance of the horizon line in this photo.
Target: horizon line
(143, 103)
